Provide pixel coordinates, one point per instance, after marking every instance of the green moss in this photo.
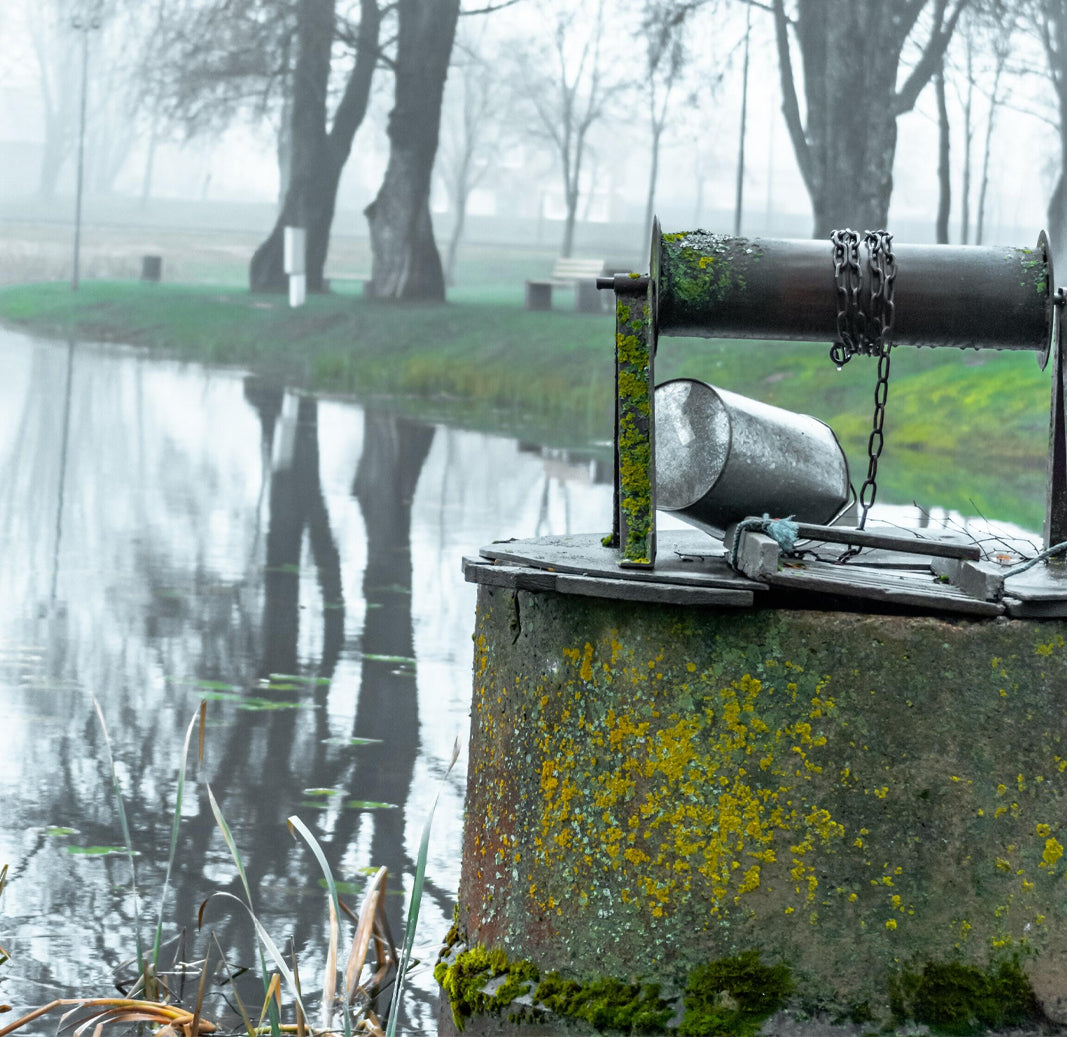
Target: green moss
(729, 996)
(955, 998)
(607, 1004)
(465, 980)
(635, 409)
(733, 995)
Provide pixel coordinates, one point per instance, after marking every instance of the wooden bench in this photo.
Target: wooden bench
(579, 274)
(361, 281)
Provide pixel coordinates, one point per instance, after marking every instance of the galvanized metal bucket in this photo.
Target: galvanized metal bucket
(721, 457)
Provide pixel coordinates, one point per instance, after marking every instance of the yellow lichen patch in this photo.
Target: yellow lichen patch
(701, 799)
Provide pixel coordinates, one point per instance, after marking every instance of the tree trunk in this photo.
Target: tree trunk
(457, 234)
(944, 171)
(318, 156)
(567, 248)
(968, 139)
(851, 55)
(405, 263)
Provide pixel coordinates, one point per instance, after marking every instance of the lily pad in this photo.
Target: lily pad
(57, 832)
(368, 804)
(322, 792)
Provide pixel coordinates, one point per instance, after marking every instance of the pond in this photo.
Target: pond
(172, 535)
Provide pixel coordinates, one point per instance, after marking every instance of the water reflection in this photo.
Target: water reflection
(170, 535)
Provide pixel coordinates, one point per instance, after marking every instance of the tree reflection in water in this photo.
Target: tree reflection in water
(219, 537)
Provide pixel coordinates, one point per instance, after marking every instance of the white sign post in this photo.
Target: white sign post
(295, 251)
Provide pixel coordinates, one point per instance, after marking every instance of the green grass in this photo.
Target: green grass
(963, 429)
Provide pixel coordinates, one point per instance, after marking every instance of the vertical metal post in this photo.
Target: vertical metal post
(634, 520)
(83, 24)
(1056, 483)
(84, 29)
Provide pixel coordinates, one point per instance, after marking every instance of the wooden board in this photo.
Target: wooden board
(621, 588)
(690, 560)
(685, 556)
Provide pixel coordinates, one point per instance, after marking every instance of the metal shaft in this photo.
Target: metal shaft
(715, 286)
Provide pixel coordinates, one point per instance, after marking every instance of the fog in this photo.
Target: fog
(144, 169)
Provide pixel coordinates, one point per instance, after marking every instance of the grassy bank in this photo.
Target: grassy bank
(964, 429)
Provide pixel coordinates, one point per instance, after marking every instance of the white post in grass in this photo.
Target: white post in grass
(295, 250)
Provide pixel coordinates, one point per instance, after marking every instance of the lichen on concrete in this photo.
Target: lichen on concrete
(652, 788)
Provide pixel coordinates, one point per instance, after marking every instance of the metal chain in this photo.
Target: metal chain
(851, 331)
(867, 330)
(883, 271)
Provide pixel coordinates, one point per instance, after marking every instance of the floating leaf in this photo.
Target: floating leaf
(400, 659)
(99, 851)
(368, 804)
(323, 792)
(57, 832)
(352, 741)
(254, 703)
(217, 686)
(298, 677)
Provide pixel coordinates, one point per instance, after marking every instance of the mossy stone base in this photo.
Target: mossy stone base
(854, 797)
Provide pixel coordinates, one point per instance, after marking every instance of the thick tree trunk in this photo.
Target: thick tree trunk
(405, 263)
(317, 156)
(851, 55)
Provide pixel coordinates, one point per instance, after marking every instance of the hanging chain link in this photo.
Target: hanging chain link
(869, 331)
(850, 333)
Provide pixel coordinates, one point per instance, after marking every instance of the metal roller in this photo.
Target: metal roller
(715, 286)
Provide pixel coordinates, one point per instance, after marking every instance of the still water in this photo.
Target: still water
(169, 534)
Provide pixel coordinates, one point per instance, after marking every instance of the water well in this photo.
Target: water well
(786, 769)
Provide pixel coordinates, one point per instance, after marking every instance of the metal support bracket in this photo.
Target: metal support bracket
(634, 518)
(1056, 483)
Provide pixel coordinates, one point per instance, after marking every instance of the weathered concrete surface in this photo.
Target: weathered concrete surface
(856, 796)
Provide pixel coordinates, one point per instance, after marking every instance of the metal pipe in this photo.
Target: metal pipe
(83, 28)
(715, 286)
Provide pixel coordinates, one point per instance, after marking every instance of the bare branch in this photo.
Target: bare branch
(931, 58)
(790, 104)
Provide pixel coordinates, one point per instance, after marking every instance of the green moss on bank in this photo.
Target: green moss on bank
(956, 998)
(730, 997)
(548, 376)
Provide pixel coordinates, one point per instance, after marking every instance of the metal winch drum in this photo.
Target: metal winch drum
(714, 457)
(721, 456)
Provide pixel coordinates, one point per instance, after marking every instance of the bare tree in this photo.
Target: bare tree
(563, 79)
(1050, 21)
(471, 128)
(851, 55)
(665, 58)
(405, 263)
(1001, 50)
(55, 47)
(944, 167)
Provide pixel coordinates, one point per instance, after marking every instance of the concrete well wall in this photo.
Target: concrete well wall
(653, 787)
